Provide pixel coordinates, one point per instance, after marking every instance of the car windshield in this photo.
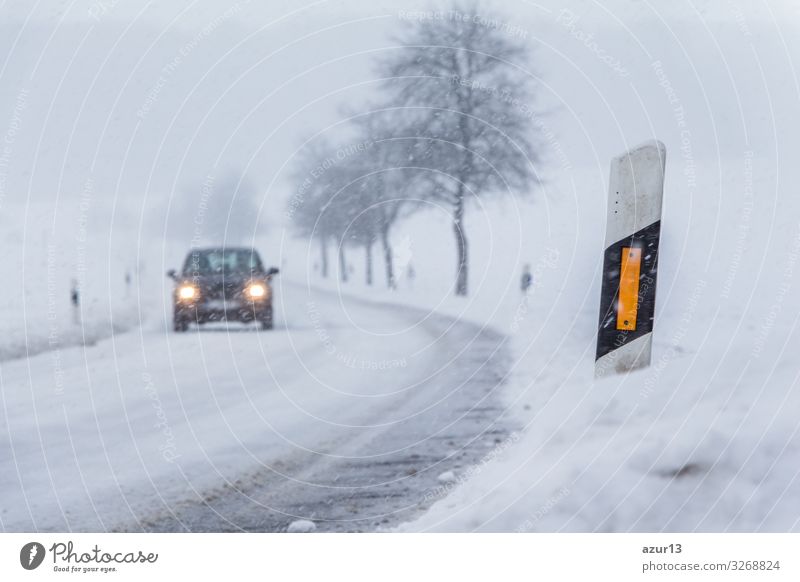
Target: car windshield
(222, 261)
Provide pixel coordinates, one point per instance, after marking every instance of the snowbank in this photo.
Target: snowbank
(705, 439)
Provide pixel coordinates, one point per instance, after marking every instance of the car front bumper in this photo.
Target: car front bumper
(224, 310)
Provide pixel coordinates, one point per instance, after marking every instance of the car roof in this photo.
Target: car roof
(226, 248)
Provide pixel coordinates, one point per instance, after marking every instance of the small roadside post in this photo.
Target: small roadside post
(75, 301)
(630, 261)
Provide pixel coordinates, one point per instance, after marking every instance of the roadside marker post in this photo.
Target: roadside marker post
(630, 262)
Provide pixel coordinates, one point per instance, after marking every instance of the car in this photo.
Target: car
(222, 284)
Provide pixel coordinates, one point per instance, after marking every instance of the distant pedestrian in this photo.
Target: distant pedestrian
(75, 300)
(527, 279)
(74, 296)
(410, 275)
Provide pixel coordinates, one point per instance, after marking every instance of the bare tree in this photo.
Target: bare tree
(384, 180)
(377, 218)
(363, 232)
(329, 203)
(341, 210)
(461, 90)
(308, 207)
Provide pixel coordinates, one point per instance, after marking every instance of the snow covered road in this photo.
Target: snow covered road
(346, 414)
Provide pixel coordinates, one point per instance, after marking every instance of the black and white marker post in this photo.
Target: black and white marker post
(630, 263)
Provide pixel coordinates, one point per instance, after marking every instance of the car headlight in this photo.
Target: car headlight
(187, 292)
(256, 291)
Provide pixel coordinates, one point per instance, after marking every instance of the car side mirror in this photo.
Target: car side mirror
(171, 274)
(272, 271)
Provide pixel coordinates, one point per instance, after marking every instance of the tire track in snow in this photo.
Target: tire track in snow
(376, 478)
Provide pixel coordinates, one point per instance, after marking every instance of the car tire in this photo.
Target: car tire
(180, 324)
(266, 320)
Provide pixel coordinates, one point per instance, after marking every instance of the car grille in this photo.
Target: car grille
(221, 290)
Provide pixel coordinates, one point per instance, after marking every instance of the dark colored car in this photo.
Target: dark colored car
(222, 284)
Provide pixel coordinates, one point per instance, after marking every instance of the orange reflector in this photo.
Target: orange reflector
(628, 304)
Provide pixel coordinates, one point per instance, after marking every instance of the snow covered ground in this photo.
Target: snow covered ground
(345, 414)
(44, 264)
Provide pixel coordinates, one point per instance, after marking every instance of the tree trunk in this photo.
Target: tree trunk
(388, 259)
(461, 243)
(368, 249)
(342, 264)
(323, 249)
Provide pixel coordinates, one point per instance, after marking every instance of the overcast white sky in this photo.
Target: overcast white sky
(148, 98)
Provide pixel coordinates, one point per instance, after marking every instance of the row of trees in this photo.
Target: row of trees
(352, 194)
(454, 121)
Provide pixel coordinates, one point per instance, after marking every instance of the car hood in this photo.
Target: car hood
(226, 279)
